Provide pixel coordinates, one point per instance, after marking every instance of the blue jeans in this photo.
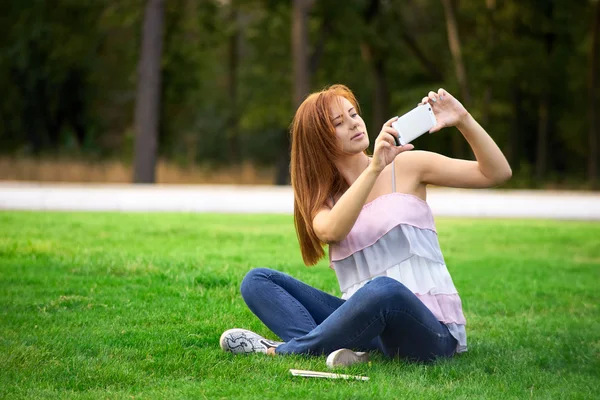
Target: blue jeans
(383, 315)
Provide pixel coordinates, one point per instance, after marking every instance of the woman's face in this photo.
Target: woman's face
(350, 128)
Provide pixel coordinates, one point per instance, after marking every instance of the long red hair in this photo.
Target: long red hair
(314, 175)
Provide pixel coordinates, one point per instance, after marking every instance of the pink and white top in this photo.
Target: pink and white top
(395, 236)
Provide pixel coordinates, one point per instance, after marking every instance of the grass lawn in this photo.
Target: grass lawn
(109, 305)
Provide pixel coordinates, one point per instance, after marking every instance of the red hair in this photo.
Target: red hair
(314, 175)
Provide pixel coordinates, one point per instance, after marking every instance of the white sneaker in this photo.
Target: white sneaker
(346, 357)
(241, 341)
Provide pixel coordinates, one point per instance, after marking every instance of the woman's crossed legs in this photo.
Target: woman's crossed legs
(383, 315)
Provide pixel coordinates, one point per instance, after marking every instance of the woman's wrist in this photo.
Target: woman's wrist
(464, 122)
(372, 169)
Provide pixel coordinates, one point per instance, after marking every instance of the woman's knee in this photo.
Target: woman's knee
(253, 280)
(386, 288)
(384, 282)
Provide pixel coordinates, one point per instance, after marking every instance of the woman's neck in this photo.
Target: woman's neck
(351, 167)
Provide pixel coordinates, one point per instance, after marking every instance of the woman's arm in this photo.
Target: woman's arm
(333, 224)
(491, 167)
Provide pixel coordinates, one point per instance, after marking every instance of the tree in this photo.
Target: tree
(301, 82)
(544, 117)
(148, 93)
(375, 58)
(487, 99)
(459, 66)
(232, 82)
(593, 103)
(227, 89)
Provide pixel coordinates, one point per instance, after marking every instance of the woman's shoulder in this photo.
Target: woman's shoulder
(412, 158)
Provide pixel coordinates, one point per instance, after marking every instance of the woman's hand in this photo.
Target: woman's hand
(448, 111)
(385, 150)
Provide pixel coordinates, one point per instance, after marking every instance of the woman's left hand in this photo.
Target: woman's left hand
(448, 111)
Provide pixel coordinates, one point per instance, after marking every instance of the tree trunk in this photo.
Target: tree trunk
(147, 105)
(375, 61)
(541, 164)
(593, 104)
(300, 50)
(487, 96)
(301, 78)
(380, 99)
(324, 33)
(513, 144)
(234, 42)
(458, 143)
(544, 115)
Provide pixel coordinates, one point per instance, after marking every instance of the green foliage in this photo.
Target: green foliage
(68, 72)
(97, 305)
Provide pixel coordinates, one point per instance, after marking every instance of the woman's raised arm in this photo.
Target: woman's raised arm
(491, 167)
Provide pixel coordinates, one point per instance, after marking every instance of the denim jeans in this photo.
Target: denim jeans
(383, 315)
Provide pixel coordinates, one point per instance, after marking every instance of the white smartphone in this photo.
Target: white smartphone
(414, 123)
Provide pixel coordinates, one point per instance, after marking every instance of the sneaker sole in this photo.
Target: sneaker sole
(223, 335)
(266, 343)
(346, 357)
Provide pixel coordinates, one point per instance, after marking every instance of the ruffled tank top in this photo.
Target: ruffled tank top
(395, 236)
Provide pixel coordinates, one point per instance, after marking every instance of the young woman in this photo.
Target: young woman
(397, 294)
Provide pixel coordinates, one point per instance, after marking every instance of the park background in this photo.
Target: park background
(199, 91)
(169, 120)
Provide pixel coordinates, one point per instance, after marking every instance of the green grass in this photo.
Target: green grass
(108, 305)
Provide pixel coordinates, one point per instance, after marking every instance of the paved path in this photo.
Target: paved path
(270, 199)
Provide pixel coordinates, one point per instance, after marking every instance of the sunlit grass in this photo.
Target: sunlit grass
(108, 305)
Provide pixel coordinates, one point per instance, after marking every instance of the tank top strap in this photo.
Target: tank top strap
(393, 177)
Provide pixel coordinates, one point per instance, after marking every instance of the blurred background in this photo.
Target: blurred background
(203, 91)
